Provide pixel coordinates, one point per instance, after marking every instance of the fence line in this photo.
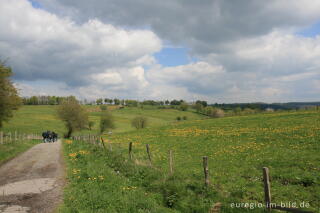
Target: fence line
(11, 137)
(266, 176)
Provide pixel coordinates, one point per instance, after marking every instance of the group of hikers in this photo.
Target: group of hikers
(49, 136)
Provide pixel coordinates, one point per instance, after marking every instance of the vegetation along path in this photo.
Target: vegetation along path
(33, 181)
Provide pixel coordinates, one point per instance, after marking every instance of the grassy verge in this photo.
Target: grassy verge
(97, 183)
(104, 181)
(10, 150)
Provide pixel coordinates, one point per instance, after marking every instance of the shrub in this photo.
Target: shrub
(178, 118)
(209, 110)
(184, 117)
(139, 122)
(90, 125)
(217, 113)
(184, 106)
(103, 107)
(199, 107)
(106, 121)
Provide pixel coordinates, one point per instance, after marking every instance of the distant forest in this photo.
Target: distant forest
(56, 100)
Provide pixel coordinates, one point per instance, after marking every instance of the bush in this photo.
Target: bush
(90, 125)
(199, 107)
(178, 118)
(103, 107)
(214, 112)
(139, 122)
(106, 121)
(184, 117)
(217, 113)
(184, 106)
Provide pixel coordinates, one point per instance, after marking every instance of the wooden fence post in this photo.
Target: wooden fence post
(148, 152)
(102, 141)
(15, 136)
(1, 137)
(267, 192)
(130, 150)
(171, 161)
(206, 170)
(10, 137)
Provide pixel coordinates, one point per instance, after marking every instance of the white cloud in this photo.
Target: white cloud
(247, 51)
(41, 45)
(108, 78)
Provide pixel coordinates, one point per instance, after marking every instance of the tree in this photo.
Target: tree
(184, 106)
(91, 124)
(99, 101)
(116, 101)
(108, 101)
(203, 103)
(9, 99)
(139, 122)
(208, 110)
(175, 102)
(199, 107)
(34, 100)
(73, 115)
(106, 121)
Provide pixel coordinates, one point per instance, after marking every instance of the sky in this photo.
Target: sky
(221, 51)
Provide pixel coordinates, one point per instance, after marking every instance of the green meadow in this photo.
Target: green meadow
(36, 119)
(106, 180)
(237, 147)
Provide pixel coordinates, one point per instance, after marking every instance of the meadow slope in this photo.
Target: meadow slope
(238, 147)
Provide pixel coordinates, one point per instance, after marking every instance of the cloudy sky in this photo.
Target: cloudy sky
(216, 50)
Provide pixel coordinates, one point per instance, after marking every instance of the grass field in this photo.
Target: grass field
(238, 147)
(36, 119)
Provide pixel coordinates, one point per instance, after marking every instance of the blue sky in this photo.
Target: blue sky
(35, 4)
(311, 31)
(171, 56)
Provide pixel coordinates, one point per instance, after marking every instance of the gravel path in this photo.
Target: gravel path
(33, 181)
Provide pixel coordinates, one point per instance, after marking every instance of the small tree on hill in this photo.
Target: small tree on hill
(9, 99)
(106, 121)
(184, 106)
(73, 115)
(139, 122)
(199, 107)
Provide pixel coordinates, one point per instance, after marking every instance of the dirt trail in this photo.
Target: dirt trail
(33, 181)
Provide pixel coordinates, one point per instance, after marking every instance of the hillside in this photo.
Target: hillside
(36, 119)
(237, 148)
